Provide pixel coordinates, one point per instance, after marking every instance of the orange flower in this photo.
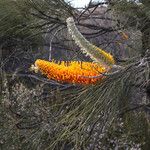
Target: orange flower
(71, 72)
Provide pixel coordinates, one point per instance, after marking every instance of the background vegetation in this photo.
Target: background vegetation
(36, 113)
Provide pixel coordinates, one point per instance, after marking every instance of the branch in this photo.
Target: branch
(134, 108)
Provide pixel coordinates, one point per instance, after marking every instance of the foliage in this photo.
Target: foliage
(78, 117)
(14, 24)
(137, 16)
(111, 114)
(99, 104)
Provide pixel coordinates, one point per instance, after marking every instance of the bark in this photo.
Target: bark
(145, 38)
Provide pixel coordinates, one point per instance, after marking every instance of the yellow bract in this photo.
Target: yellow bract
(71, 72)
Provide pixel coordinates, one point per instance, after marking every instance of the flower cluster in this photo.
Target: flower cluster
(71, 72)
(95, 53)
(77, 72)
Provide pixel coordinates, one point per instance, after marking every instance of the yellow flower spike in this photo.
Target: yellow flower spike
(71, 73)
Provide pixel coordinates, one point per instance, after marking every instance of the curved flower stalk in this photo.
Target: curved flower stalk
(89, 49)
(71, 72)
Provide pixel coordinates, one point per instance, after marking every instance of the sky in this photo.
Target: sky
(80, 3)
